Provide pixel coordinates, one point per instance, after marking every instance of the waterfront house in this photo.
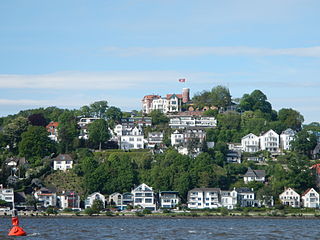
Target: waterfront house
(143, 196)
(169, 199)
(63, 162)
(229, 199)
(95, 196)
(6, 194)
(246, 197)
(290, 198)
(46, 197)
(116, 199)
(68, 199)
(310, 198)
(250, 143)
(254, 176)
(201, 198)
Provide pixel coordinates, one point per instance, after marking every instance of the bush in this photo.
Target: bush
(146, 211)
(89, 211)
(224, 212)
(109, 213)
(139, 214)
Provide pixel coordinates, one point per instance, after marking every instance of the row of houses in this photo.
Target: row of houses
(308, 199)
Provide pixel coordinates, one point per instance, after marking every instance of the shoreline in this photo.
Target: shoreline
(164, 217)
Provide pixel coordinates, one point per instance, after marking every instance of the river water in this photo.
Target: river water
(171, 228)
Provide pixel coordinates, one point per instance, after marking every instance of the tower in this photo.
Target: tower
(185, 95)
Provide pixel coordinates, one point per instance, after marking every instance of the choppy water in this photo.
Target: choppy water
(146, 228)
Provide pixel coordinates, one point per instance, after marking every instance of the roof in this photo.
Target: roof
(150, 97)
(169, 192)
(172, 95)
(52, 124)
(17, 160)
(244, 190)
(255, 173)
(205, 190)
(63, 157)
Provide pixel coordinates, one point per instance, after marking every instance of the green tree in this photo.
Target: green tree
(98, 132)
(304, 142)
(97, 206)
(36, 143)
(220, 97)
(257, 100)
(158, 117)
(99, 109)
(14, 129)
(290, 118)
(68, 131)
(114, 115)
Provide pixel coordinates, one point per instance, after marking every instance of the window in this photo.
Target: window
(148, 200)
(138, 200)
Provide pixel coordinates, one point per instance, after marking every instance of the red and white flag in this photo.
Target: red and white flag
(182, 80)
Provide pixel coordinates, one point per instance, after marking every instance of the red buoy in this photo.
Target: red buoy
(16, 230)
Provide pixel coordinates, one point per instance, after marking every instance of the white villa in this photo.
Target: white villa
(201, 198)
(250, 143)
(132, 139)
(310, 198)
(69, 199)
(46, 197)
(229, 199)
(285, 138)
(169, 199)
(143, 196)
(290, 198)
(94, 196)
(63, 162)
(270, 141)
(169, 104)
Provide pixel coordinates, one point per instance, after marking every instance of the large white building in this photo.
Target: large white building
(69, 199)
(201, 198)
(229, 199)
(192, 121)
(169, 104)
(290, 198)
(250, 143)
(270, 141)
(169, 199)
(46, 197)
(143, 196)
(132, 139)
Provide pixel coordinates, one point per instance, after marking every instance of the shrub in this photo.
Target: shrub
(146, 211)
(89, 211)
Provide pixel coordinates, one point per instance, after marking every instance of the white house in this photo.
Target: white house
(116, 199)
(229, 199)
(52, 128)
(192, 121)
(270, 141)
(94, 196)
(6, 194)
(169, 199)
(250, 143)
(132, 139)
(62, 162)
(154, 138)
(143, 196)
(177, 138)
(285, 138)
(201, 198)
(246, 197)
(290, 198)
(310, 198)
(46, 197)
(254, 176)
(83, 124)
(69, 199)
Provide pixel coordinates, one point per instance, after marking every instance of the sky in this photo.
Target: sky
(70, 53)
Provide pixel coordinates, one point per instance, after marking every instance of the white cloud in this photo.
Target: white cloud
(219, 51)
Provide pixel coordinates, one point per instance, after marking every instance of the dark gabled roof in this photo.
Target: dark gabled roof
(255, 173)
(244, 190)
(63, 157)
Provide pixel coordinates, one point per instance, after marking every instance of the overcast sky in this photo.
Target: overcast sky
(70, 53)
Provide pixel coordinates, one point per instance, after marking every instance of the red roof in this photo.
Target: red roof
(170, 95)
(53, 124)
(306, 191)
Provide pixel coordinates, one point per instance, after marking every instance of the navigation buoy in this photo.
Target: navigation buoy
(16, 230)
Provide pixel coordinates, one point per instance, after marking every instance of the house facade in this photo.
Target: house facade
(269, 141)
(63, 162)
(285, 139)
(229, 199)
(95, 196)
(132, 139)
(52, 128)
(310, 198)
(250, 143)
(154, 138)
(169, 199)
(201, 198)
(246, 197)
(46, 197)
(69, 199)
(143, 196)
(254, 176)
(192, 121)
(290, 198)
(83, 124)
